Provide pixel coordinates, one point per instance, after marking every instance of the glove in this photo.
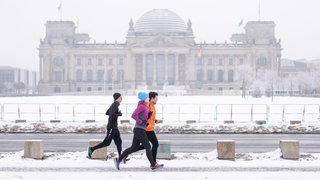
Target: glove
(119, 113)
(143, 123)
(149, 114)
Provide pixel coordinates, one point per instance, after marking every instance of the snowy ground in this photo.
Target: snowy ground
(186, 166)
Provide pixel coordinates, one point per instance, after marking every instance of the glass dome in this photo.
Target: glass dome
(160, 21)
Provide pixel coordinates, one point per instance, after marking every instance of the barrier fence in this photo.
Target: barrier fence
(71, 112)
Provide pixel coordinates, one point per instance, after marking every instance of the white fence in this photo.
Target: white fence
(80, 112)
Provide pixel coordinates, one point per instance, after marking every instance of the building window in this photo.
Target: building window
(110, 61)
(89, 89)
(220, 76)
(100, 75)
(89, 61)
(220, 89)
(57, 89)
(100, 62)
(261, 61)
(7, 76)
(210, 75)
(138, 67)
(199, 61)
(110, 75)
(58, 61)
(99, 88)
(241, 61)
(230, 61)
(149, 69)
(210, 61)
(199, 75)
(78, 61)
(79, 76)
(160, 68)
(220, 61)
(182, 67)
(78, 89)
(120, 76)
(89, 76)
(230, 76)
(120, 61)
(58, 76)
(171, 67)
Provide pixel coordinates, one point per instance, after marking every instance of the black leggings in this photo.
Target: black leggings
(139, 136)
(111, 134)
(155, 144)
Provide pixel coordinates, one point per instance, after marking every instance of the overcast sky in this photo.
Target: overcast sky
(22, 22)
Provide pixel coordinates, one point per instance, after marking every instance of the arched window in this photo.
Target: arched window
(171, 69)
(89, 75)
(149, 69)
(79, 76)
(210, 75)
(100, 75)
(230, 76)
(199, 75)
(160, 67)
(220, 76)
(58, 76)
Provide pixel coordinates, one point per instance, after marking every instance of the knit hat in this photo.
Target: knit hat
(116, 96)
(142, 96)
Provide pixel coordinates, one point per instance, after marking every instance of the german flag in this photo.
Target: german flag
(200, 51)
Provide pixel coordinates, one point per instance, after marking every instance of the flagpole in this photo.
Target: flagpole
(77, 25)
(259, 10)
(60, 10)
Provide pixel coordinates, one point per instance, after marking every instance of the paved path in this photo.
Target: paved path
(309, 143)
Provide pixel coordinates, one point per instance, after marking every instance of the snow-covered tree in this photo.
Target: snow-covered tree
(245, 77)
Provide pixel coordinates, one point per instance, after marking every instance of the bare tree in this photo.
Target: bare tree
(245, 76)
(18, 86)
(2, 88)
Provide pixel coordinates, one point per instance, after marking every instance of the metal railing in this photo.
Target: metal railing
(77, 112)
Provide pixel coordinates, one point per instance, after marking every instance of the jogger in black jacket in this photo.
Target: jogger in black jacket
(112, 127)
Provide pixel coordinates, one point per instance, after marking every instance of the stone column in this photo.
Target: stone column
(40, 68)
(226, 149)
(290, 149)
(164, 149)
(99, 153)
(33, 149)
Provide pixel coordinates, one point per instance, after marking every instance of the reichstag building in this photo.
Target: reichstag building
(159, 53)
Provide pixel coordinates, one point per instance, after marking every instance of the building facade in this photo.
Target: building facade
(160, 52)
(16, 80)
